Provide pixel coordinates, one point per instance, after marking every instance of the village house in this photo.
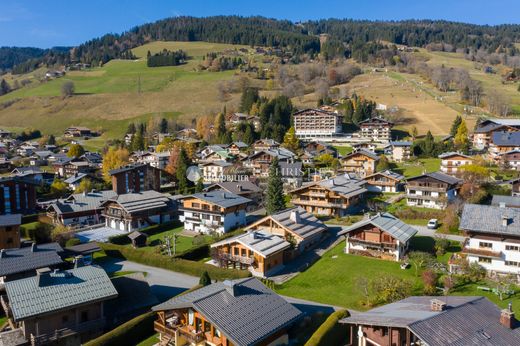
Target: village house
(70, 301)
(135, 178)
(217, 171)
(515, 187)
(133, 211)
(74, 181)
(431, 190)
(158, 160)
(77, 166)
(434, 321)
(265, 144)
(316, 148)
(80, 209)
(259, 162)
(214, 212)
(493, 237)
(209, 315)
(214, 152)
(510, 159)
(22, 262)
(361, 162)
(244, 188)
(10, 231)
(385, 181)
(484, 132)
(311, 124)
(259, 252)
(33, 173)
(337, 196)
(237, 148)
(40, 158)
(78, 131)
(18, 195)
(376, 129)
(451, 162)
(505, 201)
(295, 225)
(381, 236)
(503, 142)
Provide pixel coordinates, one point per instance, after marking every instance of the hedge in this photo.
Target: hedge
(330, 332)
(30, 218)
(174, 264)
(138, 328)
(151, 230)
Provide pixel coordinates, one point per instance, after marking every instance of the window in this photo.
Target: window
(207, 326)
(195, 205)
(84, 316)
(485, 245)
(512, 264)
(484, 260)
(7, 200)
(513, 247)
(205, 217)
(236, 251)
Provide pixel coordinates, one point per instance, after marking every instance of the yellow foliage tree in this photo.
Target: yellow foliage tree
(114, 158)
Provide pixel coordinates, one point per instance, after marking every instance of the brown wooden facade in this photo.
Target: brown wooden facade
(137, 179)
(381, 335)
(359, 163)
(318, 200)
(17, 196)
(9, 237)
(371, 241)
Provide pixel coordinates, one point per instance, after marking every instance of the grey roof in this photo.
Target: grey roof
(236, 187)
(75, 178)
(307, 226)
(401, 144)
(83, 249)
(136, 234)
(245, 311)
(220, 163)
(344, 185)
(488, 219)
(487, 128)
(58, 290)
(127, 168)
(221, 198)
(508, 201)
(507, 139)
(291, 169)
(388, 173)
(502, 121)
(260, 242)
(368, 153)
(448, 179)
(240, 144)
(82, 202)
(387, 223)
(141, 201)
(453, 153)
(10, 220)
(24, 259)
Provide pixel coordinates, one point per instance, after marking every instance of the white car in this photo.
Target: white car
(432, 224)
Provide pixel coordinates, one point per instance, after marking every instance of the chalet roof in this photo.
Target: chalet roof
(220, 163)
(266, 141)
(401, 144)
(246, 311)
(375, 120)
(75, 178)
(365, 152)
(502, 121)
(489, 219)
(10, 220)
(82, 202)
(83, 249)
(260, 242)
(453, 153)
(506, 139)
(281, 153)
(20, 260)
(387, 223)
(58, 290)
(344, 185)
(488, 127)
(388, 173)
(508, 201)
(240, 144)
(448, 179)
(306, 225)
(141, 201)
(236, 187)
(221, 198)
(136, 234)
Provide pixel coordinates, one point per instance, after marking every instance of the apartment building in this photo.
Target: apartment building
(431, 190)
(317, 123)
(452, 162)
(376, 129)
(135, 178)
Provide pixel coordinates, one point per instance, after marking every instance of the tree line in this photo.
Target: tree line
(166, 58)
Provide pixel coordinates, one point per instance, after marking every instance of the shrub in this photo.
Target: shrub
(441, 245)
(429, 278)
(138, 328)
(175, 264)
(330, 332)
(205, 280)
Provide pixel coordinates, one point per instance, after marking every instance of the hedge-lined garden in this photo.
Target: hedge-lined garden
(137, 329)
(330, 332)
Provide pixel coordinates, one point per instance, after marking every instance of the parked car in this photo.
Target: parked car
(432, 224)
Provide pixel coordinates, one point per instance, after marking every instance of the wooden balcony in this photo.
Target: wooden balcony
(481, 252)
(179, 331)
(319, 203)
(44, 339)
(382, 245)
(237, 259)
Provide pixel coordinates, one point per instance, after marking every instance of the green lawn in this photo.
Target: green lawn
(343, 150)
(333, 280)
(3, 320)
(152, 340)
(183, 243)
(412, 169)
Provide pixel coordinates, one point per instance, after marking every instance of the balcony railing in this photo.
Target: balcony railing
(44, 339)
(319, 203)
(179, 330)
(383, 245)
(238, 259)
(481, 252)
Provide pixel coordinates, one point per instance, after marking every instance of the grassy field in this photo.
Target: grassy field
(109, 97)
(152, 340)
(412, 169)
(343, 150)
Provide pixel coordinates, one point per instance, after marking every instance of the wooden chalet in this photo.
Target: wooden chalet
(10, 231)
(431, 190)
(452, 162)
(361, 162)
(385, 181)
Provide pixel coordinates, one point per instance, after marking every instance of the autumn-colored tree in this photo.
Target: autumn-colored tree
(290, 141)
(171, 167)
(429, 278)
(84, 186)
(114, 158)
(383, 164)
(75, 150)
(58, 187)
(461, 140)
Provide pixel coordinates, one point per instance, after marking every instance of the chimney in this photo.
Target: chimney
(502, 204)
(239, 187)
(34, 247)
(78, 261)
(505, 220)
(43, 276)
(231, 287)
(3, 254)
(437, 305)
(507, 317)
(295, 216)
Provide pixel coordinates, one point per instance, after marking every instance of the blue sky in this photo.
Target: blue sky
(58, 22)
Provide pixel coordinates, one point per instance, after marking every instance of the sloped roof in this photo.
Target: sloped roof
(221, 198)
(506, 139)
(24, 259)
(246, 311)
(488, 219)
(260, 242)
(10, 219)
(365, 152)
(453, 153)
(236, 187)
(82, 202)
(387, 173)
(448, 179)
(401, 143)
(140, 201)
(344, 185)
(58, 290)
(508, 201)
(75, 178)
(387, 223)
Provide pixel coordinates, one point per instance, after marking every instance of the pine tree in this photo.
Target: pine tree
(275, 197)
(51, 140)
(455, 125)
(205, 279)
(131, 128)
(180, 173)
(220, 125)
(429, 144)
(163, 126)
(200, 185)
(249, 135)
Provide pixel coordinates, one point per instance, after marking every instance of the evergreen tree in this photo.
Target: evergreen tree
(4, 87)
(137, 143)
(249, 97)
(200, 185)
(428, 144)
(249, 135)
(383, 164)
(348, 111)
(180, 174)
(163, 126)
(275, 200)
(205, 279)
(51, 140)
(220, 125)
(131, 128)
(455, 125)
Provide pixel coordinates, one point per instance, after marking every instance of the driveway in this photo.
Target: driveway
(425, 231)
